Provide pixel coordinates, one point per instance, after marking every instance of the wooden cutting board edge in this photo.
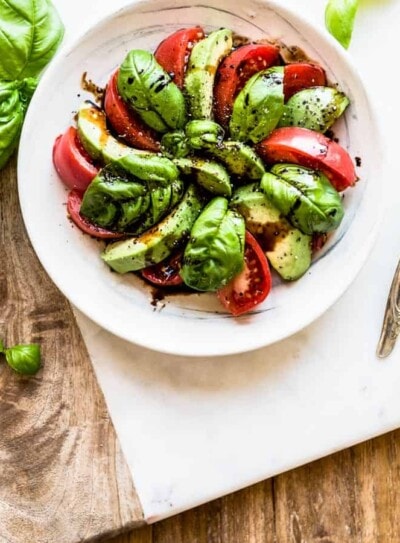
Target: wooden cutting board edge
(63, 476)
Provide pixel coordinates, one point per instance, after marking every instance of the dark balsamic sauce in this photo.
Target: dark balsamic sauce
(89, 86)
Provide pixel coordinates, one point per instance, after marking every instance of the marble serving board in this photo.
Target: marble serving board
(195, 429)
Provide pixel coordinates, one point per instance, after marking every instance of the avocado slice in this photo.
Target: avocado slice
(101, 145)
(155, 244)
(202, 67)
(287, 249)
(208, 174)
(316, 108)
(239, 159)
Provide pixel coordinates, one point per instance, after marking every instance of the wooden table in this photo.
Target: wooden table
(352, 496)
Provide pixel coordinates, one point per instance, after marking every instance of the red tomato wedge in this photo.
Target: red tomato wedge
(166, 273)
(173, 53)
(252, 285)
(72, 162)
(311, 149)
(73, 208)
(302, 75)
(125, 122)
(235, 70)
(318, 241)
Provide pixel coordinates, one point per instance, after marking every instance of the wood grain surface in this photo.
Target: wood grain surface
(350, 497)
(63, 478)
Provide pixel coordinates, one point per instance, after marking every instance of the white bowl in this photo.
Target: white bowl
(192, 325)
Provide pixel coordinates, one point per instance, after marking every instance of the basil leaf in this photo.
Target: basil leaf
(339, 19)
(30, 33)
(203, 133)
(2, 347)
(239, 159)
(14, 100)
(305, 197)
(117, 200)
(150, 91)
(215, 252)
(258, 106)
(174, 144)
(24, 359)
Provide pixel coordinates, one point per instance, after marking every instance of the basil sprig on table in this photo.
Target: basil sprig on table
(30, 33)
(24, 359)
(14, 99)
(339, 19)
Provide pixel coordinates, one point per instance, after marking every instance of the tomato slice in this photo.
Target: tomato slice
(73, 164)
(302, 75)
(235, 70)
(73, 207)
(311, 149)
(318, 241)
(125, 122)
(252, 285)
(173, 53)
(166, 273)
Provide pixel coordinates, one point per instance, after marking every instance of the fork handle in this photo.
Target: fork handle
(391, 321)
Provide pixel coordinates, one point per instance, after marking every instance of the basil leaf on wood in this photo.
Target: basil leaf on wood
(24, 359)
(30, 33)
(14, 100)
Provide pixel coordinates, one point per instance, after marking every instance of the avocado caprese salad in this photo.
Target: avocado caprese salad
(207, 164)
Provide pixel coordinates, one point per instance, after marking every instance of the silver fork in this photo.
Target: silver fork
(391, 321)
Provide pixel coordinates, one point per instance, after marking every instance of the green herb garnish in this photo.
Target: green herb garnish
(339, 19)
(30, 33)
(24, 359)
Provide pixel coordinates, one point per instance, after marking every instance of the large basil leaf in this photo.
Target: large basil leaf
(14, 99)
(150, 91)
(121, 202)
(339, 19)
(30, 33)
(305, 197)
(258, 106)
(215, 252)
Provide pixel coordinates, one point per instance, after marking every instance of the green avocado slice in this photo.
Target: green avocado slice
(202, 67)
(316, 108)
(287, 249)
(101, 145)
(208, 174)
